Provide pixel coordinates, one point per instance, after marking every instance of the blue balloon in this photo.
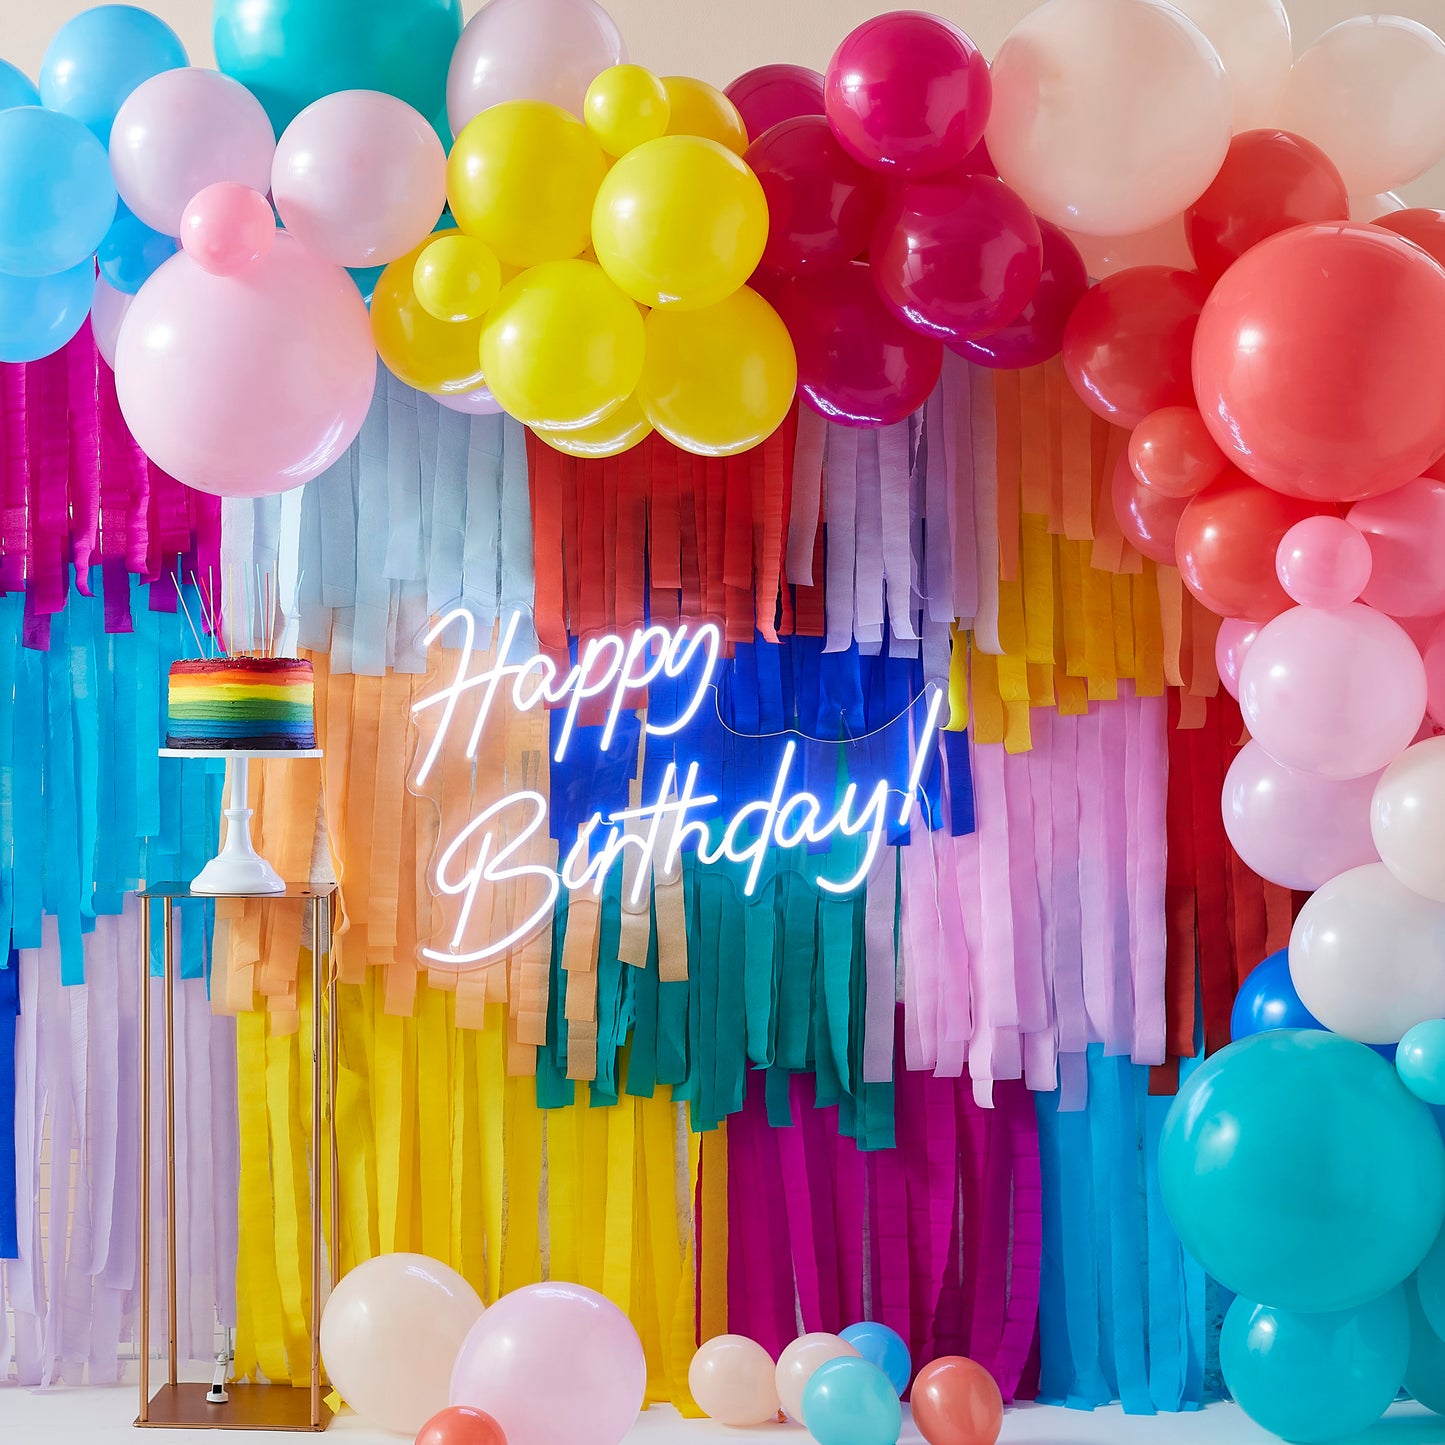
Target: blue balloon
(57, 199)
(1316, 1377)
(99, 57)
(39, 314)
(131, 251)
(1298, 1169)
(883, 1347)
(15, 88)
(1425, 1373)
(847, 1401)
(1267, 1000)
(1430, 1281)
(1420, 1058)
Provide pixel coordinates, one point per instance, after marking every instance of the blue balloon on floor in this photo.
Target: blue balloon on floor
(884, 1347)
(1420, 1059)
(848, 1401)
(15, 88)
(39, 314)
(1267, 1000)
(1316, 1377)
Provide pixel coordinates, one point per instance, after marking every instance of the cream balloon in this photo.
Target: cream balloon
(1371, 208)
(734, 1381)
(797, 1363)
(1407, 818)
(1109, 116)
(107, 311)
(1371, 94)
(1252, 38)
(1163, 245)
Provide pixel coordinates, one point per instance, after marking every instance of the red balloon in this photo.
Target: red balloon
(956, 1402)
(1148, 519)
(1226, 545)
(956, 256)
(1037, 332)
(1127, 345)
(821, 203)
(461, 1425)
(858, 364)
(1426, 228)
(908, 93)
(1319, 365)
(1173, 454)
(772, 93)
(1270, 180)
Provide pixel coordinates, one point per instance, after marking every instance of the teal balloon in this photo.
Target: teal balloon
(39, 314)
(131, 251)
(1420, 1058)
(97, 59)
(848, 1401)
(1430, 1279)
(884, 1347)
(1425, 1372)
(15, 87)
(1316, 1377)
(292, 52)
(57, 199)
(1298, 1169)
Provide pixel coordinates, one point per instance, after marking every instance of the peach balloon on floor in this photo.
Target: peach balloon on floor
(797, 1363)
(733, 1379)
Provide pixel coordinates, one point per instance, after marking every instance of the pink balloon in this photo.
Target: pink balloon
(1406, 533)
(107, 311)
(479, 402)
(1337, 693)
(773, 93)
(247, 385)
(228, 227)
(1323, 562)
(181, 131)
(360, 177)
(1233, 640)
(1296, 829)
(530, 50)
(553, 1364)
(1434, 658)
(1148, 519)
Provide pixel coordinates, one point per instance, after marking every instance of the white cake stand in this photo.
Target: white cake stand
(238, 868)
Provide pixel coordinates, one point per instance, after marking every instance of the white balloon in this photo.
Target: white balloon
(1407, 818)
(1367, 956)
(1164, 245)
(798, 1361)
(107, 311)
(1252, 38)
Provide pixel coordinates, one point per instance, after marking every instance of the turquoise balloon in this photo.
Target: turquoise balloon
(848, 1401)
(39, 314)
(883, 1347)
(1430, 1279)
(15, 87)
(291, 52)
(1420, 1058)
(131, 251)
(1316, 1377)
(1425, 1372)
(1298, 1169)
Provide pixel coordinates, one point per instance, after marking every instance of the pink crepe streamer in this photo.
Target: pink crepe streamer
(807, 495)
(840, 505)
(896, 505)
(868, 547)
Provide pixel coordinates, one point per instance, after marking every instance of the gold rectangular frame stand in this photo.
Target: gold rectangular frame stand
(250, 1407)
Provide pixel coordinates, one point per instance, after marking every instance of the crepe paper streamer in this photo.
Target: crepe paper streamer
(9, 1010)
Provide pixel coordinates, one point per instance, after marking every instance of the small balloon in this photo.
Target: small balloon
(796, 1364)
(616, 433)
(1267, 1000)
(1323, 562)
(851, 1402)
(773, 93)
(884, 1347)
(956, 1402)
(131, 252)
(1148, 519)
(1420, 1060)
(625, 107)
(431, 355)
(696, 108)
(456, 277)
(461, 1425)
(1172, 453)
(227, 228)
(732, 1378)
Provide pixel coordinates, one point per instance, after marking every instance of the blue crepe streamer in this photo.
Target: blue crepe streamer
(9, 1011)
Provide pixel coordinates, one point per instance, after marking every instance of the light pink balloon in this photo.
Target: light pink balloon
(228, 227)
(530, 50)
(1434, 656)
(181, 131)
(732, 1379)
(1323, 562)
(1233, 640)
(1338, 693)
(480, 402)
(107, 311)
(799, 1359)
(247, 385)
(553, 1364)
(1296, 829)
(360, 177)
(1406, 532)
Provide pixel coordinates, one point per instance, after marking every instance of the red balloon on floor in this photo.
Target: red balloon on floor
(956, 1402)
(461, 1425)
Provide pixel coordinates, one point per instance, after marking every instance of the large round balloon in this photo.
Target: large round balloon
(1149, 519)
(1425, 1372)
(908, 93)
(291, 54)
(1295, 1166)
(1253, 41)
(1406, 532)
(39, 314)
(1109, 116)
(1316, 1376)
(770, 94)
(16, 88)
(1267, 1000)
(1161, 245)
(431, 355)
(246, 385)
(1317, 362)
(1408, 818)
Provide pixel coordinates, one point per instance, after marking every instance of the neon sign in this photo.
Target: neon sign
(498, 845)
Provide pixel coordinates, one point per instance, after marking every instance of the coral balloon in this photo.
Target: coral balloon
(1337, 693)
(107, 311)
(1323, 562)
(1148, 519)
(773, 93)
(1426, 228)
(956, 256)
(1253, 41)
(245, 386)
(821, 203)
(680, 222)
(461, 1425)
(1109, 116)
(39, 314)
(800, 1358)
(1172, 453)
(1270, 180)
(1233, 640)
(431, 355)
(858, 364)
(907, 93)
(456, 277)
(1405, 530)
(1161, 245)
(1037, 333)
(228, 227)
(732, 1378)
(956, 1402)
(1127, 346)
(1433, 654)
(1317, 362)
(625, 107)
(1408, 818)
(697, 108)
(522, 177)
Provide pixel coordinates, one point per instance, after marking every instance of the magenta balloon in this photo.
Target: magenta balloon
(1233, 640)
(858, 364)
(1296, 829)
(774, 93)
(1323, 562)
(908, 93)
(1337, 693)
(228, 227)
(956, 256)
(1037, 333)
(553, 1364)
(248, 385)
(1406, 532)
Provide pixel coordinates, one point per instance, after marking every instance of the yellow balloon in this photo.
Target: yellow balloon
(562, 347)
(613, 434)
(522, 177)
(457, 277)
(719, 380)
(423, 352)
(697, 108)
(680, 222)
(625, 106)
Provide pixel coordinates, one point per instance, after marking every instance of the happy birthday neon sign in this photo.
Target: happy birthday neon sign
(657, 831)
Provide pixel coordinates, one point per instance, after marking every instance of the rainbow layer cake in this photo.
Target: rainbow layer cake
(242, 702)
